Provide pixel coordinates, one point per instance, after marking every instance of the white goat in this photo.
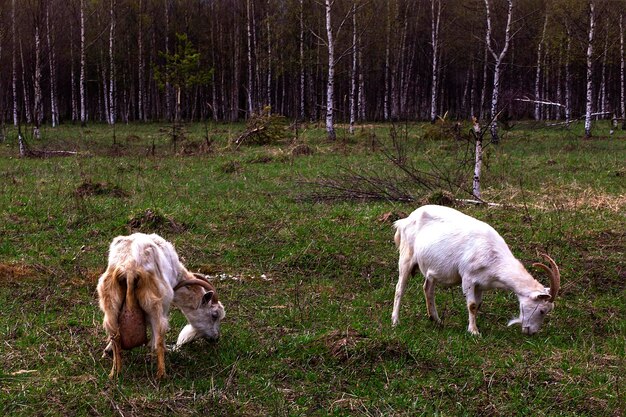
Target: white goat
(451, 248)
(144, 276)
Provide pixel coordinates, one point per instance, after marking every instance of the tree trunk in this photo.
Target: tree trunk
(592, 24)
(498, 63)
(54, 110)
(83, 102)
(483, 91)
(330, 87)
(302, 73)
(14, 66)
(27, 109)
(603, 94)
(112, 106)
(141, 110)
(538, 73)
(472, 99)
(250, 63)
(559, 92)
(269, 59)
(387, 48)
(621, 70)
(434, 42)
(353, 71)
(361, 95)
(568, 78)
(478, 160)
(38, 103)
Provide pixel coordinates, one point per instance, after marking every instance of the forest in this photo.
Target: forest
(349, 61)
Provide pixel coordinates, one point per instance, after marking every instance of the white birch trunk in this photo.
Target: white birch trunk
(141, 110)
(38, 103)
(483, 91)
(473, 91)
(112, 105)
(538, 73)
(621, 70)
(498, 63)
(589, 97)
(27, 109)
(465, 92)
(73, 95)
(361, 95)
(330, 87)
(603, 94)
(353, 71)
(14, 66)
(559, 92)
(105, 90)
(434, 41)
(478, 161)
(568, 79)
(54, 111)
(81, 87)
(250, 64)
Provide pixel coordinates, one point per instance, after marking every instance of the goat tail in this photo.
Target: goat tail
(398, 238)
(132, 281)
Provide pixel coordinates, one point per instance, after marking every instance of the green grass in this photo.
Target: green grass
(312, 337)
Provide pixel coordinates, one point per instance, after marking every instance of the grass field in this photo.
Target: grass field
(308, 285)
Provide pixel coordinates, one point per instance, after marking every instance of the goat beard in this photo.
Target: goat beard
(132, 326)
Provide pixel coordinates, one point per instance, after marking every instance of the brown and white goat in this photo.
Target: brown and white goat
(144, 276)
(451, 248)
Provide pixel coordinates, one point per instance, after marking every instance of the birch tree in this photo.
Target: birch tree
(37, 97)
(538, 72)
(141, 95)
(14, 65)
(330, 85)
(434, 41)
(621, 70)
(353, 71)
(568, 77)
(498, 57)
(112, 104)
(54, 110)
(250, 63)
(81, 87)
(589, 95)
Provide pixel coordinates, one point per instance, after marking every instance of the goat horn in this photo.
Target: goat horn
(200, 276)
(553, 273)
(200, 282)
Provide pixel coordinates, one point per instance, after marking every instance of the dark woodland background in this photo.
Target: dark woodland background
(106, 60)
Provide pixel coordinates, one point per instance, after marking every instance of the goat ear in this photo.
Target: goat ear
(206, 298)
(516, 320)
(542, 296)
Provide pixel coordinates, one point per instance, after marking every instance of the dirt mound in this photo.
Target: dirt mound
(152, 220)
(89, 188)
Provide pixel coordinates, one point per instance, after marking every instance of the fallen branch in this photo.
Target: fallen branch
(245, 135)
(549, 103)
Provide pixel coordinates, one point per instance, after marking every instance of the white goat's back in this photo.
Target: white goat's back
(447, 243)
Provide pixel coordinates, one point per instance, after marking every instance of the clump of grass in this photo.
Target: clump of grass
(230, 167)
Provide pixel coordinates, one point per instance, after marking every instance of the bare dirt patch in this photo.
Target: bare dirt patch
(16, 272)
(90, 188)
